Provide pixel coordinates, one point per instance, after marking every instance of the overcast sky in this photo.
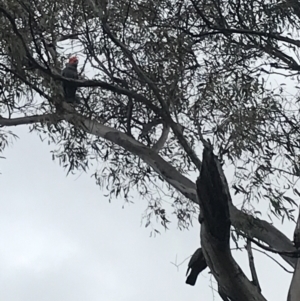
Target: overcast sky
(61, 240)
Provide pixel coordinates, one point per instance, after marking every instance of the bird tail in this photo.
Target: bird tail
(192, 278)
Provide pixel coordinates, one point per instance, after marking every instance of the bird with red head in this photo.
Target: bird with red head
(71, 72)
(73, 60)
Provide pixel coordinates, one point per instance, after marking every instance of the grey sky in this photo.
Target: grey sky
(61, 240)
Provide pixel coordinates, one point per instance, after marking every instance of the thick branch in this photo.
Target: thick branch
(252, 265)
(163, 168)
(29, 120)
(162, 139)
(214, 197)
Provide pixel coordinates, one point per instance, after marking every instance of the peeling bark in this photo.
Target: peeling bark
(214, 196)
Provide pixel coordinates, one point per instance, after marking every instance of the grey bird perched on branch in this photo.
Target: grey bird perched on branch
(196, 265)
(70, 71)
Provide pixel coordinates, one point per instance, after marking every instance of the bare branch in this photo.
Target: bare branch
(252, 265)
(294, 253)
(276, 261)
(52, 118)
(162, 139)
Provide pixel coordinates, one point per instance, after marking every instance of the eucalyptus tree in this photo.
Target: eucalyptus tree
(160, 82)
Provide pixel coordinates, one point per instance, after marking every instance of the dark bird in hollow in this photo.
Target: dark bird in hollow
(196, 265)
(70, 71)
